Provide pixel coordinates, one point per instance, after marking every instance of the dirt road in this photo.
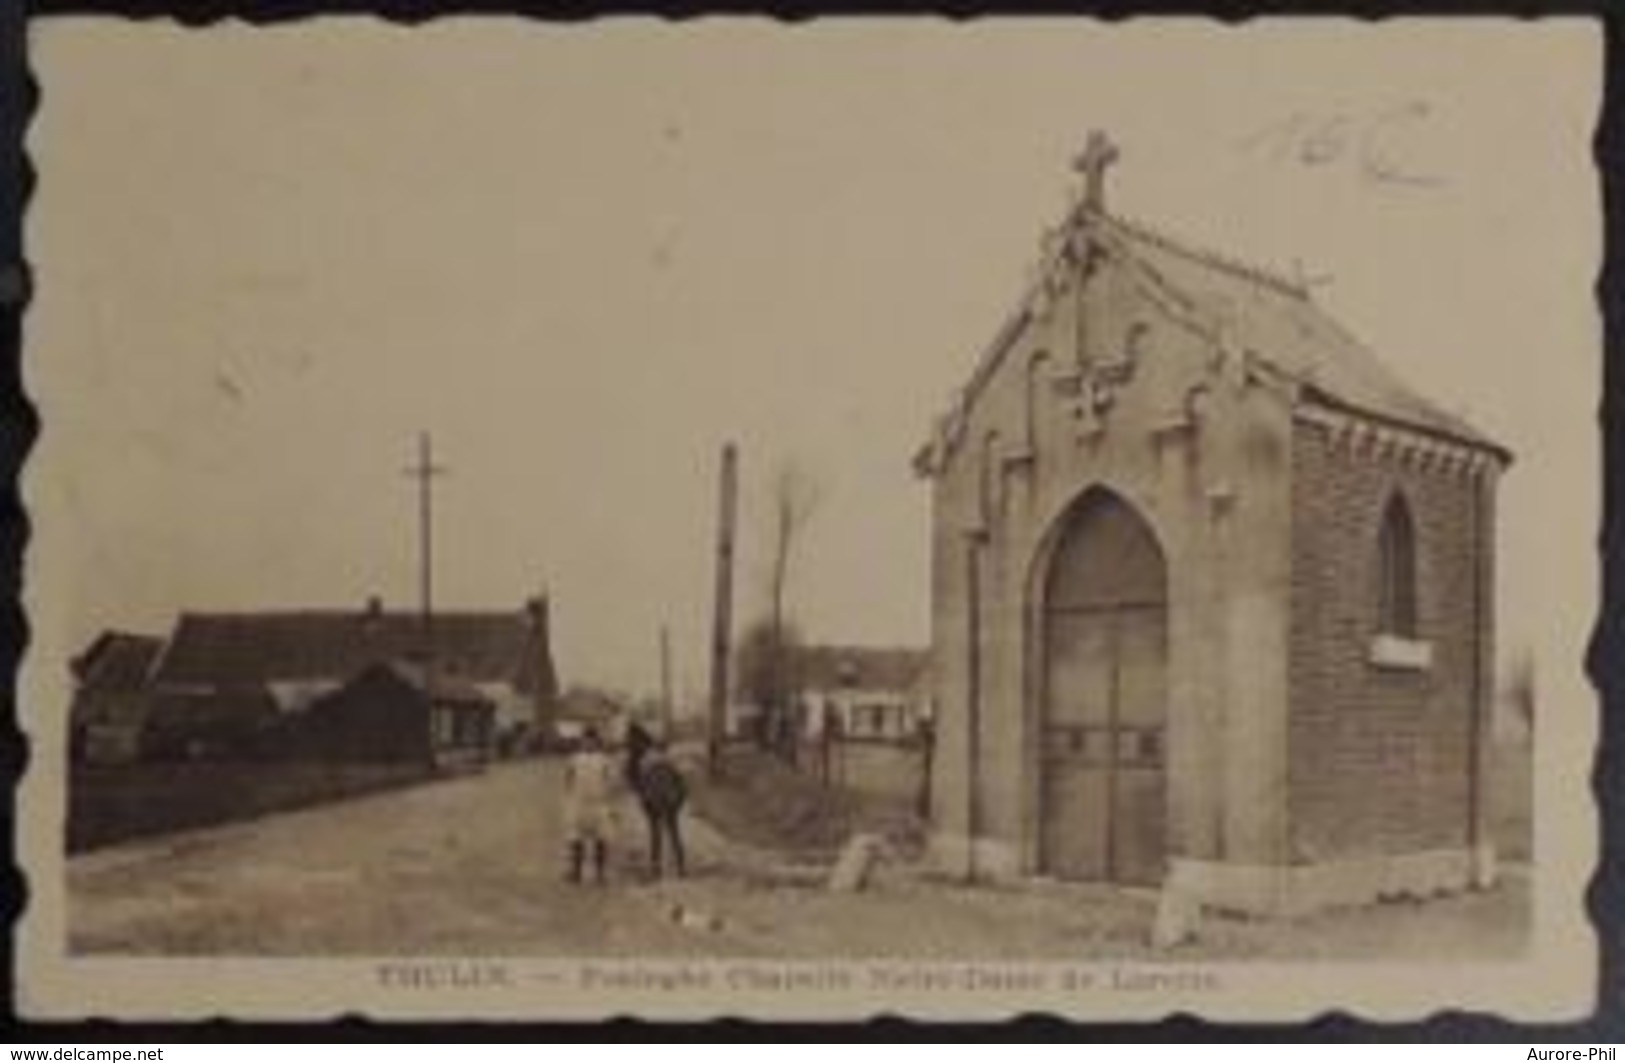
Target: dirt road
(473, 866)
(465, 865)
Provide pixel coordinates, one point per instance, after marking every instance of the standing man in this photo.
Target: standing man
(589, 781)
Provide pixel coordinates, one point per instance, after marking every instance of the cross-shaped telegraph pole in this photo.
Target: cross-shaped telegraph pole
(424, 473)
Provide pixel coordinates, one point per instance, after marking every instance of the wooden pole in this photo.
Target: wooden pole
(426, 556)
(973, 716)
(722, 614)
(1483, 571)
(424, 473)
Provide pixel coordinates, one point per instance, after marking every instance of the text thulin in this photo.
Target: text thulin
(447, 974)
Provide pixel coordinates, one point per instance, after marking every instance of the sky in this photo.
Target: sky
(585, 256)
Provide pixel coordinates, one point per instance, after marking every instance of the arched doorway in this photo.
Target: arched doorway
(1103, 741)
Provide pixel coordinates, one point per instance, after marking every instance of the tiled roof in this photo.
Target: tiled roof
(255, 649)
(1276, 319)
(1260, 313)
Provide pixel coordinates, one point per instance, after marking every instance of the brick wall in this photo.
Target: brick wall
(1380, 758)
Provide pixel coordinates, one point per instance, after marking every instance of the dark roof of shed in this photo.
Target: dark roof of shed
(455, 688)
(171, 709)
(239, 649)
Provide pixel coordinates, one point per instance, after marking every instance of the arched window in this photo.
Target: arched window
(1396, 571)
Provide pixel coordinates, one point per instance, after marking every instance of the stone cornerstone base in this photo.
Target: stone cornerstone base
(1299, 889)
(1257, 889)
(987, 859)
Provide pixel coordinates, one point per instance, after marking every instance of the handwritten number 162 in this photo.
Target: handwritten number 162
(1365, 141)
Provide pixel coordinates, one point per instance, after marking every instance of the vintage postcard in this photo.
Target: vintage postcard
(811, 521)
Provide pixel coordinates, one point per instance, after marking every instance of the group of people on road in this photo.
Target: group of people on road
(592, 784)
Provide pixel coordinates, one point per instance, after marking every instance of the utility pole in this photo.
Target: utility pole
(973, 716)
(424, 473)
(722, 614)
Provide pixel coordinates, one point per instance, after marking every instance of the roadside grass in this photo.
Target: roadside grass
(760, 801)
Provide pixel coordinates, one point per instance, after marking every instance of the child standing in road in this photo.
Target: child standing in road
(589, 780)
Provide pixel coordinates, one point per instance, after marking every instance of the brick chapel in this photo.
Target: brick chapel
(1212, 591)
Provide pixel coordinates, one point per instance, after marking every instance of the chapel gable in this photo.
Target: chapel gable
(1211, 587)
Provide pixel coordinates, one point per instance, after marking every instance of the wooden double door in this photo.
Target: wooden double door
(1103, 736)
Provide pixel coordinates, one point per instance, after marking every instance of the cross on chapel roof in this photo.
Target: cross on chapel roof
(1098, 153)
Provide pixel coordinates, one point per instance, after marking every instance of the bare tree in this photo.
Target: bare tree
(795, 495)
(765, 673)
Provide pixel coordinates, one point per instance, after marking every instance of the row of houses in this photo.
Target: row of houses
(319, 684)
(354, 685)
(861, 693)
